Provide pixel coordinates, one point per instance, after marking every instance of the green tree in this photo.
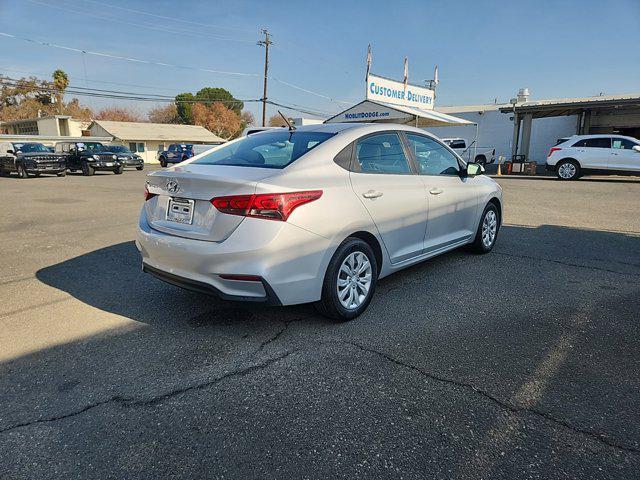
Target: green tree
(209, 95)
(60, 83)
(184, 104)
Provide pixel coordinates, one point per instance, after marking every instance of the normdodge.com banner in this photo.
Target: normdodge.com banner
(389, 91)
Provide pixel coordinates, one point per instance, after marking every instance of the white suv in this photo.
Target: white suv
(594, 154)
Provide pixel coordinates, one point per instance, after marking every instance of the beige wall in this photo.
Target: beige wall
(48, 127)
(150, 148)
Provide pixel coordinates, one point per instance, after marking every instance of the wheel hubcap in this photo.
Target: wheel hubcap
(567, 170)
(489, 228)
(354, 280)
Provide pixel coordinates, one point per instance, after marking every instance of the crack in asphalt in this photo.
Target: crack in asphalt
(130, 401)
(567, 264)
(277, 335)
(501, 403)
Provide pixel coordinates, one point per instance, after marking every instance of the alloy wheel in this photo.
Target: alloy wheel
(567, 170)
(489, 228)
(354, 280)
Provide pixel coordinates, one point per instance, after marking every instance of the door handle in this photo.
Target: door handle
(372, 194)
(436, 191)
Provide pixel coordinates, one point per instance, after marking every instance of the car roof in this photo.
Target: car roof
(600, 135)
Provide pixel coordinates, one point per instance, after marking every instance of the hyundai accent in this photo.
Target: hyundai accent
(314, 214)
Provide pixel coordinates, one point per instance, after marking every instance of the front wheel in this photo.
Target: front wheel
(567, 170)
(481, 160)
(139, 168)
(349, 282)
(487, 232)
(163, 163)
(22, 172)
(62, 173)
(87, 170)
(118, 170)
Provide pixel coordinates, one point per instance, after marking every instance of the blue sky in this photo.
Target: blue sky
(484, 49)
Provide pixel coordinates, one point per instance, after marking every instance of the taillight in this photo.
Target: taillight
(553, 149)
(271, 206)
(147, 194)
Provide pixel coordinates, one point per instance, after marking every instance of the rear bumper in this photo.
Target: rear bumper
(550, 168)
(269, 298)
(290, 261)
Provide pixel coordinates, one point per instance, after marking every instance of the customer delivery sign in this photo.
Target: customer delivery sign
(382, 89)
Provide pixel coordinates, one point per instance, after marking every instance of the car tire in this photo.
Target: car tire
(163, 162)
(568, 170)
(139, 168)
(62, 174)
(481, 159)
(118, 170)
(87, 170)
(488, 228)
(22, 172)
(338, 283)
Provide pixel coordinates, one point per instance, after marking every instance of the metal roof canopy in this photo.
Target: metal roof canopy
(573, 106)
(369, 111)
(524, 114)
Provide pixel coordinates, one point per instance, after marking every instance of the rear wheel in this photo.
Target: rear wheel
(87, 170)
(349, 282)
(22, 172)
(568, 170)
(481, 159)
(487, 232)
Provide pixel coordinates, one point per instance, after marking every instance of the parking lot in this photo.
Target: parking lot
(518, 364)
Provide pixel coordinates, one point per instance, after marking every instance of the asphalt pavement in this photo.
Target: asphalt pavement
(518, 364)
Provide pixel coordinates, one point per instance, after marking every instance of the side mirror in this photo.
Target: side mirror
(474, 169)
(636, 148)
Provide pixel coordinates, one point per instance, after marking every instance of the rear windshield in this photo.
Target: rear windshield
(265, 150)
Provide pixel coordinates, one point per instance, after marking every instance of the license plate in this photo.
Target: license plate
(109, 164)
(180, 210)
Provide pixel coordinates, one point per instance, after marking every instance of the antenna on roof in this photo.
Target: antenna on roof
(289, 124)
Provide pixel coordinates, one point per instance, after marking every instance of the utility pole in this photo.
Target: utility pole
(266, 42)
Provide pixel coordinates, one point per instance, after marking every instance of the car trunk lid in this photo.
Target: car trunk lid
(181, 201)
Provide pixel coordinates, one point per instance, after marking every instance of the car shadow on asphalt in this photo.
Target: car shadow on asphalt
(111, 279)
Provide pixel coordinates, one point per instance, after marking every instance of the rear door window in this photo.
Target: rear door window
(601, 142)
(382, 153)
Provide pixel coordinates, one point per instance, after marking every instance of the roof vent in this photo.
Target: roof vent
(523, 95)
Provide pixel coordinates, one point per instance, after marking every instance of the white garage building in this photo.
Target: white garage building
(147, 138)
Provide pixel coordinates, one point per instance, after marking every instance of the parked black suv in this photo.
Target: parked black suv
(127, 157)
(29, 158)
(89, 157)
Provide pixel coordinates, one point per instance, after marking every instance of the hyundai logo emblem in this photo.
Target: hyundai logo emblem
(172, 186)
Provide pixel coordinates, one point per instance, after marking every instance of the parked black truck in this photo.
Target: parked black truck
(89, 157)
(30, 158)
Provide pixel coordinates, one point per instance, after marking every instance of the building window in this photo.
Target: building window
(136, 147)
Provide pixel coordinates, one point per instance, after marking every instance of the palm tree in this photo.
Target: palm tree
(60, 83)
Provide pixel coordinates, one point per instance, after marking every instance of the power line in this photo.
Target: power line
(143, 25)
(102, 4)
(128, 59)
(164, 64)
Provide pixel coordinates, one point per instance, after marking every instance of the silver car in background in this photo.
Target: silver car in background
(313, 214)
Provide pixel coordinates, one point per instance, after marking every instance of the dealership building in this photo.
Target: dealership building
(530, 127)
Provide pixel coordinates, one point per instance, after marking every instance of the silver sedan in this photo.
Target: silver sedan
(314, 214)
